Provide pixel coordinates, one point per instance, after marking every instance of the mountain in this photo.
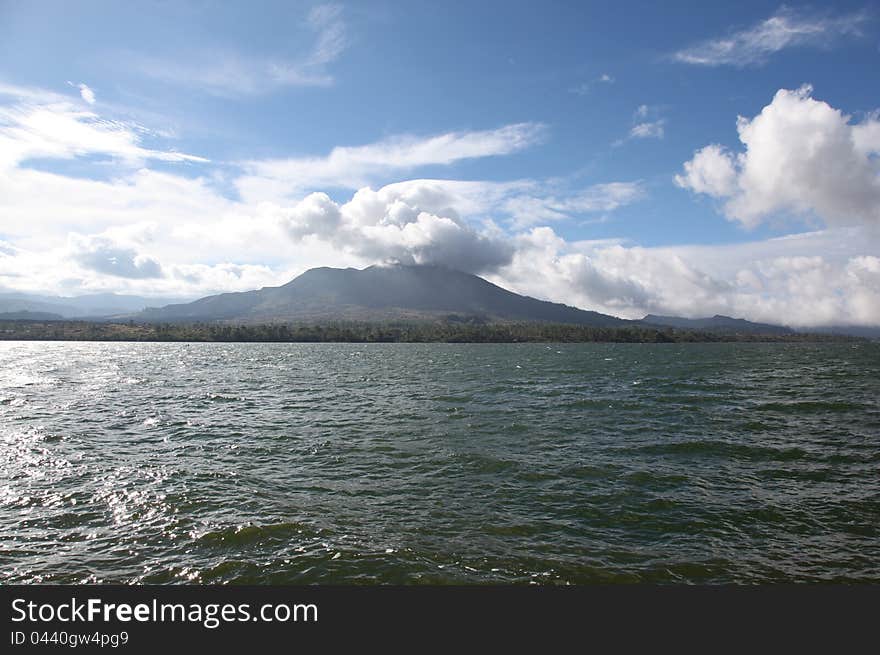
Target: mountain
(86, 306)
(378, 293)
(25, 315)
(866, 332)
(717, 323)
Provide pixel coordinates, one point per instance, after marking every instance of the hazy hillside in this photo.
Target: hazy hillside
(717, 323)
(85, 306)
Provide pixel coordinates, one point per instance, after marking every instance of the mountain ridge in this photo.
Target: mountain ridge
(94, 305)
(718, 322)
(379, 293)
(376, 294)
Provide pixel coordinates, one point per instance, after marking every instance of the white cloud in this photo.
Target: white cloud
(161, 233)
(787, 28)
(814, 279)
(821, 278)
(357, 166)
(520, 203)
(62, 130)
(87, 94)
(326, 21)
(711, 171)
(801, 157)
(394, 224)
(648, 123)
(583, 88)
(102, 254)
(226, 73)
(648, 130)
(532, 208)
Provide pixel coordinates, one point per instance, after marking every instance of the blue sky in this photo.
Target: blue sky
(556, 148)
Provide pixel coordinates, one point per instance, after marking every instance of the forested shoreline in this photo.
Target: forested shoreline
(349, 332)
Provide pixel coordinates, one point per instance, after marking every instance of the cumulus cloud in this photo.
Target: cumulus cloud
(712, 171)
(226, 73)
(161, 233)
(432, 221)
(103, 255)
(316, 215)
(785, 29)
(397, 224)
(612, 278)
(801, 157)
(814, 279)
(808, 280)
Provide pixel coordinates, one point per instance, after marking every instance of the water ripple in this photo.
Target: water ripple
(439, 463)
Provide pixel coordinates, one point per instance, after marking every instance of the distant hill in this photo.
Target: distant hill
(379, 293)
(717, 323)
(26, 315)
(865, 332)
(94, 305)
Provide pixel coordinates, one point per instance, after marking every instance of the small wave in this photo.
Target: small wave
(254, 534)
(651, 479)
(223, 397)
(722, 448)
(588, 471)
(589, 403)
(806, 406)
(514, 529)
(453, 399)
(756, 426)
(486, 463)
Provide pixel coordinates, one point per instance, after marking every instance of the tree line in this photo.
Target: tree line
(393, 332)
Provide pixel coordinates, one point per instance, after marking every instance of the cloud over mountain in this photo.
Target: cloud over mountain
(399, 224)
(179, 231)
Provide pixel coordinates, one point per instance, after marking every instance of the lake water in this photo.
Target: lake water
(439, 463)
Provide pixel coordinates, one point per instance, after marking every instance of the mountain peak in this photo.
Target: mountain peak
(379, 293)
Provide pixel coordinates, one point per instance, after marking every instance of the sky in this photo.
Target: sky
(683, 158)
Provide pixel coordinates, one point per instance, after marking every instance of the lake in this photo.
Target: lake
(439, 463)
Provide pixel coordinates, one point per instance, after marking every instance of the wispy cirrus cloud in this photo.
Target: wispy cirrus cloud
(85, 92)
(225, 73)
(583, 88)
(353, 167)
(42, 124)
(534, 208)
(785, 29)
(648, 130)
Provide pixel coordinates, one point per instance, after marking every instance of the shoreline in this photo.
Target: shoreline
(348, 332)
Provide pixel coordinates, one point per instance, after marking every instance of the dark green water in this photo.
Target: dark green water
(435, 463)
